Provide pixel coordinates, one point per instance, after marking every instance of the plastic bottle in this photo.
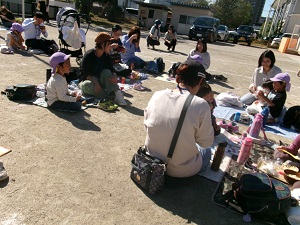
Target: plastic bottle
(265, 114)
(237, 116)
(218, 157)
(244, 151)
(256, 126)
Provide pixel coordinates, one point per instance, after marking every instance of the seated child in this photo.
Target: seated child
(58, 95)
(207, 94)
(276, 98)
(14, 39)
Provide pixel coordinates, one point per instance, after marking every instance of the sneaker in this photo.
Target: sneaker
(119, 99)
(105, 105)
(220, 78)
(3, 173)
(232, 126)
(223, 124)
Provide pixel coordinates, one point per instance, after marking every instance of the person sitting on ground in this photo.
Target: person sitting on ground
(266, 69)
(161, 116)
(98, 78)
(131, 42)
(58, 95)
(33, 28)
(116, 50)
(14, 39)
(154, 34)
(276, 98)
(201, 50)
(7, 17)
(207, 94)
(171, 38)
(293, 149)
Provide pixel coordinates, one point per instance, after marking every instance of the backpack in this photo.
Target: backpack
(20, 92)
(160, 64)
(174, 67)
(258, 193)
(152, 67)
(292, 117)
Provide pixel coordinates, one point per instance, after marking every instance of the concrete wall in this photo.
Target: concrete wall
(191, 13)
(158, 14)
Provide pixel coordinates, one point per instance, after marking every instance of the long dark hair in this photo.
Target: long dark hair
(204, 43)
(267, 54)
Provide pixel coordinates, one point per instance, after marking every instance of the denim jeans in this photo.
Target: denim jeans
(206, 156)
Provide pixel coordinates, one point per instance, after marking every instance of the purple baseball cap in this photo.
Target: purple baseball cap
(57, 58)
(283, 77)
(16, 26)
(197, 58)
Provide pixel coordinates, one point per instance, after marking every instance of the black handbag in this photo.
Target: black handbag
(148, 172)
(20, 92)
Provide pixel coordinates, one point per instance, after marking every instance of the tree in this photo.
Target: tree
(84, 6)
(232, 12)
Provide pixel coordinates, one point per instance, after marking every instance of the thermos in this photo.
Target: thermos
(218, 157)
(244, 151)
(265, 114)
(256, 126)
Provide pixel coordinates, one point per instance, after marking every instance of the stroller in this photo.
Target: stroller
(72, 36)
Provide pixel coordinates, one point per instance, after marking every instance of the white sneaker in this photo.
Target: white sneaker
(3, 173)
(119, 99)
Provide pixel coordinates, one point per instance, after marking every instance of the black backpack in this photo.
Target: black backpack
(174, 67)
(292, 117)
(20, 92)
(160, 64)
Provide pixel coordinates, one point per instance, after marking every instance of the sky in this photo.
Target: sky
(266, 9)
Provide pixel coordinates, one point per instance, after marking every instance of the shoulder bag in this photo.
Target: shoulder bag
(148, 172)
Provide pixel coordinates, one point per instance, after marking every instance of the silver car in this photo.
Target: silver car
(276, 41)
(223, 33)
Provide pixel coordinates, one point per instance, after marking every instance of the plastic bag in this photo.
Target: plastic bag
(229, 99)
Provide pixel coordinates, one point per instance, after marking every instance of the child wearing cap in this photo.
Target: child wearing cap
(277, 97)
(98, 78)
(14, 39)
(58, 95)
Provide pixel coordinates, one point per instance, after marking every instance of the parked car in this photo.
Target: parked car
(244, 33)
(205, 27)
(272, 37)
(276, 41)
(223, 33)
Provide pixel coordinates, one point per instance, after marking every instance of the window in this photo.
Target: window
(182, 19)
(151, 14)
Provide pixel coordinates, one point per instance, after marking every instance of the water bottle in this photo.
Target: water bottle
(218, 157)
(256, 126)
(265, 114)
(237, 116)
(244, 151)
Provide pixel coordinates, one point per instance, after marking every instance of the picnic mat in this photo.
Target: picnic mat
(165, 77)
(224, 196)
(223, 112)
(231, 149)
(4, 151)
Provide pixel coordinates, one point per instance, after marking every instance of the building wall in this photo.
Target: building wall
(158, 14)
(190, 13)
(258, 6)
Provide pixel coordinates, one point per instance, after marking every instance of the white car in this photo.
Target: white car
(223, 33)
(276, 41)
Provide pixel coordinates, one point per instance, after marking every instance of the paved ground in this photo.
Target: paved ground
(74, 168)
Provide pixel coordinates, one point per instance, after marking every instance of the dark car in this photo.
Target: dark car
(205, 27)
(244, 33)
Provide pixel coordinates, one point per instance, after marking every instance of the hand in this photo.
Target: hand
(98, 88)
(114, 45)
(133, 37)
(260, 94)
(281, 148)
(78, 97)
(113, 80)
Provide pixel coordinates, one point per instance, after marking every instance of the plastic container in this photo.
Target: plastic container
(244, 151)
(237, 116)
(218, 157)
(256, 126)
